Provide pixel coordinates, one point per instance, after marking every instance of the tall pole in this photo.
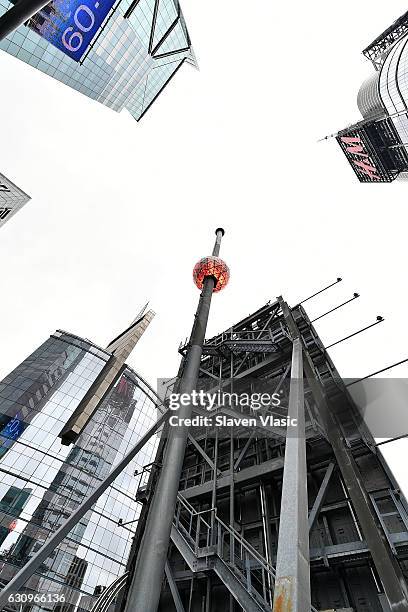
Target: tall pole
(292, 582)
(19, 14)
(145, 588)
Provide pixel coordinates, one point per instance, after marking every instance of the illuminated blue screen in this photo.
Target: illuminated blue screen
(11, 432)
(70, 25)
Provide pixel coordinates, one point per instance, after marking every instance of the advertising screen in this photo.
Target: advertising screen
(11, 432)
(364, 156)
(70, 25)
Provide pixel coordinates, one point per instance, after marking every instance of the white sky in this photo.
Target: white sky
(122, 210)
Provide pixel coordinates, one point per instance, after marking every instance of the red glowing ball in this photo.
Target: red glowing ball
(211, 266)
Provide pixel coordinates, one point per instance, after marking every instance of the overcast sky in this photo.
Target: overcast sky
(121, 211)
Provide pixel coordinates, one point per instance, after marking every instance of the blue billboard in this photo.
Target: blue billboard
(70, 25)
(11, 432)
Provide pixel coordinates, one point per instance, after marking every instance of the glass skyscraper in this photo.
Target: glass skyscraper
(43, 481)
(12, 198)
(134, 55)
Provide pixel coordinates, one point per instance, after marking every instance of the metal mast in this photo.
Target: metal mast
(144, 592)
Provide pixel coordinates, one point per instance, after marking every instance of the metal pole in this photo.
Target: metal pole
(292, 583)
(355, 296)
(19, 14)
(145, 588)
(45, 551)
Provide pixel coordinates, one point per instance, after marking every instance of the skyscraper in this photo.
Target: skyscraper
(42, 481)
(12, 198)
(377, 146)
(121, 54)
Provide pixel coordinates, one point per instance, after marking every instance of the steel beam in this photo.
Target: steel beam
(292, 583)
(314, 513)
(144, 590)
(173, 588)
(250, 474)
(243, 451)
(202, 452)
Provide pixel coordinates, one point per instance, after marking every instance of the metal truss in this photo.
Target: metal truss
(245, 519)
(376, 51)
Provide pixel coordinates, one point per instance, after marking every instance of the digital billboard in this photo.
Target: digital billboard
(364, 156)
(10, 433)
(70, 25)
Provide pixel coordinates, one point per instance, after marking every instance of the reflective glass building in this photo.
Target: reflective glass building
(377, 146)
(12, 198)
(42, 481)
(139, 48)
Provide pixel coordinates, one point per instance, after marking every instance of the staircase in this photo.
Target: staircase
(207, 544)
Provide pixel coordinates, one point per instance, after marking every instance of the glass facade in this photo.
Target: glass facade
(139, 48)
(42, 482)
(12, 198)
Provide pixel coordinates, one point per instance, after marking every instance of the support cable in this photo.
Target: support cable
(380, 319)
(355, 296)
(378, 372)
(392, 440)
(338, 280)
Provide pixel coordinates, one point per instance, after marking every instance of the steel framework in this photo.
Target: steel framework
(264, 520)
(376, 50)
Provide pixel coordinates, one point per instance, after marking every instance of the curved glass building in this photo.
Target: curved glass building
(377, 146)
(42, 481)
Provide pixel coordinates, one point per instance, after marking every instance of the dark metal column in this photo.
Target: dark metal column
(145, 588)
(19, 14)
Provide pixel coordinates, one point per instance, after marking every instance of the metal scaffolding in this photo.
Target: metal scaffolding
(271, 520)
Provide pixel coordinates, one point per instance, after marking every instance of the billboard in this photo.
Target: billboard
(70, 25)
(364, 156)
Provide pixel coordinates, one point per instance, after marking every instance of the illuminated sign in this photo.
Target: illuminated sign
(354, 149)
(12, 428)
(11, 432)
(70, 25)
